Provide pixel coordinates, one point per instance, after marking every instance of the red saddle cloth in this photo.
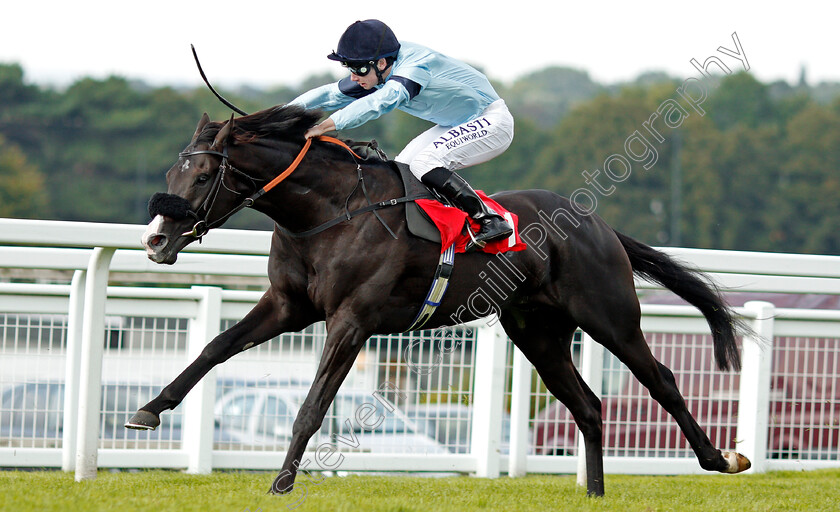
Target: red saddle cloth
(450, 222)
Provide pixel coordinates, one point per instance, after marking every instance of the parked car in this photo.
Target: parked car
(262, 418)
(225, 385)
(31, 414)
(804, 418)
(255, 414)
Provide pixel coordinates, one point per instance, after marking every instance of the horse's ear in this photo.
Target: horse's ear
(222, 136)
(201, 123)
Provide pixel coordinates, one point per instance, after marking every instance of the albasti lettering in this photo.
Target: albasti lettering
(470, 128)
(466, 138)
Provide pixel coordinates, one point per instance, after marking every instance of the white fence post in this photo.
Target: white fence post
(754, 395)
(90, 382)
(72, 363)
(591, 370)
(520, 408)
(198, 406)
(489, 387)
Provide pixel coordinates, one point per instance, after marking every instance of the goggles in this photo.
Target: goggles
(358, 68)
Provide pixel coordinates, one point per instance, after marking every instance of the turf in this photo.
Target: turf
(160, 491)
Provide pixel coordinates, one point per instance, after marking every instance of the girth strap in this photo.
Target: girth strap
(440, 283)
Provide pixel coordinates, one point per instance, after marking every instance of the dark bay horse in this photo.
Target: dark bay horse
(576, 273)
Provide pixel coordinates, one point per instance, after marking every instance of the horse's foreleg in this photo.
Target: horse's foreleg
(261, 324)
(340, 350)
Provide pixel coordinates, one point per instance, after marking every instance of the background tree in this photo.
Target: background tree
(740, 99)
(758, 171)
(584, 139)
(546, 96)
(805, 203)
(22, 192)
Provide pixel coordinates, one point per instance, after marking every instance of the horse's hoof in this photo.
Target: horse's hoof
(143, 420)
(278, 490)
(736, 462)
(283, 484)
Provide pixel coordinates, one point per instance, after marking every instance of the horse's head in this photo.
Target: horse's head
(200, 194)
(204, 189)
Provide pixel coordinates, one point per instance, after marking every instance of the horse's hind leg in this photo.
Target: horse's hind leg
(663, 388)
(622, 336)
(547, 343)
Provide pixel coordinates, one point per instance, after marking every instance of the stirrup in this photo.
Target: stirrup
(474, 244)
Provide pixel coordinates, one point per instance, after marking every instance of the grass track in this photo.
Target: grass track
(163, 491)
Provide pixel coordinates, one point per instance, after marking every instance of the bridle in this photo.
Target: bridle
(202, 226)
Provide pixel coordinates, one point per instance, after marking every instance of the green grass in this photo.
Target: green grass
(160, 491)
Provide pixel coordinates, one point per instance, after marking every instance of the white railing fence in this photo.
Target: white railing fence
(77, 359)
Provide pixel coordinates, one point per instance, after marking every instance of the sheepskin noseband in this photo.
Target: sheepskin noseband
(170, 205)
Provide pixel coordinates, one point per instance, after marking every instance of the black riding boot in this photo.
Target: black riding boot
(461, 194)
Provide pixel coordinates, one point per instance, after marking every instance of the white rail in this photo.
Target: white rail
(92, 250)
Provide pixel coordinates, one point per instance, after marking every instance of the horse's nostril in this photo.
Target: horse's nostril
(157, 241)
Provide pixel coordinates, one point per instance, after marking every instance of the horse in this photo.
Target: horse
(363, 279)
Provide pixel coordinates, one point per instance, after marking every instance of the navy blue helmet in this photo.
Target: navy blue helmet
(364, 42)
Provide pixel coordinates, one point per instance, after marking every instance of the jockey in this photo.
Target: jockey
(473, 123)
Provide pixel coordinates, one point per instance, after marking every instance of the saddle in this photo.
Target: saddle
(427, 213)
(419, 224)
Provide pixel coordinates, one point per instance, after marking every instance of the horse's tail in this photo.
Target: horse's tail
(695, 288)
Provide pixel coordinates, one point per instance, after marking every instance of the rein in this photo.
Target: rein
(201, 227)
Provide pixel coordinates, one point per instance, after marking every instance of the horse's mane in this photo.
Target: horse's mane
(281, 122)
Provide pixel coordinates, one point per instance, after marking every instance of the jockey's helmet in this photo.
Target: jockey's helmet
(366, 42)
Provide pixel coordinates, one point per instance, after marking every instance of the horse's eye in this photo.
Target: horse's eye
(202, 179)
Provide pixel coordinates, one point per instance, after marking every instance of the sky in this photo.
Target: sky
(271, 43)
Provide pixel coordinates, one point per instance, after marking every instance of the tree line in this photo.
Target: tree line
(757, 169)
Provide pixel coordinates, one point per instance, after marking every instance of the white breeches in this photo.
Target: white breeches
(467, 144)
